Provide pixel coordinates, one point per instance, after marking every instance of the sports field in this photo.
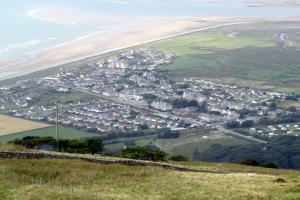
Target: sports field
(10, 125)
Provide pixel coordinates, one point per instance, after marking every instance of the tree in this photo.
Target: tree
(270, 165)
(95, 145)
(250, 162)
(292, 109)
(272, 106)
(233, 124)
(247, 123)
(143, 153)
(179, 158)
(149, 97)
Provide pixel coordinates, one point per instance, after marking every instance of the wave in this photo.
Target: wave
(20, 45)
(77, 39)
(26, 44)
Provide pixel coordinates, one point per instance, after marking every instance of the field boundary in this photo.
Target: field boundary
(89, 158)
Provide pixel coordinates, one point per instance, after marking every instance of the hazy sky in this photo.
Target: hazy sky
(260, 2)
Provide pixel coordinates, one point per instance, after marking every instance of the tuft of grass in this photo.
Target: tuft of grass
(280, 180)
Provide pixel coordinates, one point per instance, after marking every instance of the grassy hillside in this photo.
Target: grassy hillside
(262, 54)
(61, 179)
(186, 144)
(64, 133)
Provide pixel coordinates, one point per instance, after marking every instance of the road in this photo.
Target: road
(230, 132)
(158, 113)
(141, 106)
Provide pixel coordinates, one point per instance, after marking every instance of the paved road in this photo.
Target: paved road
(141, 106)
(185, 119)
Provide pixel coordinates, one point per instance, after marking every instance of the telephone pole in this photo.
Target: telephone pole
(57, 116)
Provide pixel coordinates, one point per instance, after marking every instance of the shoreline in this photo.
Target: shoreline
(105, 42)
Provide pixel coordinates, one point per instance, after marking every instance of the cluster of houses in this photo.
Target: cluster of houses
(130, 90)
(276, 130)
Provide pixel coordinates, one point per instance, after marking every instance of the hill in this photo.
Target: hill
(78, 179)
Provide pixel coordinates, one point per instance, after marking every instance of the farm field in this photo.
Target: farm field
(64, 133)
(65, 179)
(10, 125)
(254, 54)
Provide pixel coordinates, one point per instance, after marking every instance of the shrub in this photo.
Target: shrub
(92, 145)
(143, 153)
(179, 158)
(280, 180)
(250, 162)
(270, 165)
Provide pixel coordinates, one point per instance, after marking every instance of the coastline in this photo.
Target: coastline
(96, 44)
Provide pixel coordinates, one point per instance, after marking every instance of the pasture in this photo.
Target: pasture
(254, 54)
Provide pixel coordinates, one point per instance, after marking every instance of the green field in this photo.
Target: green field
(254, 55)
(188, 142)
(208, 43)
(65, 97)
(67, 179)
(65, 133)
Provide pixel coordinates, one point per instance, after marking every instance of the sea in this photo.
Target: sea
(29, 26)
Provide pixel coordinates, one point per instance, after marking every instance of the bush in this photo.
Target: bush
(247, 123)
(144, 153)
(250, 162)
(280, 180)
(233, 124)
(270, 165)
(93, 145)
(179, 158)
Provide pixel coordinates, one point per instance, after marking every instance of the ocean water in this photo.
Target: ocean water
(27, 27)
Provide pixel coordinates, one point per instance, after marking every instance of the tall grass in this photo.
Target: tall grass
(61, 179)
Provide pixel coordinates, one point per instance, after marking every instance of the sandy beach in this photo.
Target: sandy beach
(145, 29)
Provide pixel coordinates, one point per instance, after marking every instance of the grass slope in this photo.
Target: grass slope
(61, 179)
(187, 144)
(64, 133)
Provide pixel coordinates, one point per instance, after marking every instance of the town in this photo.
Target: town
(131, 91)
